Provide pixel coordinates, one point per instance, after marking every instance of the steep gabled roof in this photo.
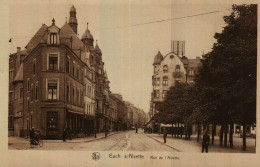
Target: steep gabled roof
(38, 37)
(194, 63)
(66, 33)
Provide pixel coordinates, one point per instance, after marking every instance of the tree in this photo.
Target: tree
(229, 70)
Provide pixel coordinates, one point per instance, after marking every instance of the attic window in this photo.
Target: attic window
(53, 38)
(171, 56)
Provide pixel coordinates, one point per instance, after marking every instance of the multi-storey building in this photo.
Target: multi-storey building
(15, 105)
(130, 120)
(170, 69)
(121, 112)
(58, 82)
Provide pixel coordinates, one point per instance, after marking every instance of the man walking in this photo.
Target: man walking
(205, 141)
(165, 134)
(64, 135)
(136, 129)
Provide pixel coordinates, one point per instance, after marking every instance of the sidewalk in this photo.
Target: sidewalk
(193, 146)
(14, 139)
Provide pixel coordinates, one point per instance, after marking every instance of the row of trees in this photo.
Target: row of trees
(224, 92)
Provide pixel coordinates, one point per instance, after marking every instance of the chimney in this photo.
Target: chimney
(18, 49)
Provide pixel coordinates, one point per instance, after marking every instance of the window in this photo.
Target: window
(165, 68)
(85, 89)
(28, 106)
(177, 68)
(158, 81)
(28, 84)
(164, 93)
(77, 73)
(21, 93)
(52, 91)
(81, 98)
(67, 92)
(53, 62)
(34, 68)
(36, 92)
(157, 93)
(191, 72)
(53, 38)
(32, 93)
(73, 95)
(171, 56)
(165, 81)
(73, 71)
(68, 66)
(52, 123)
(77, 97)
(11, 75)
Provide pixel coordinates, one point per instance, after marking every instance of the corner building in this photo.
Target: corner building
(58, 76)
(169, 70)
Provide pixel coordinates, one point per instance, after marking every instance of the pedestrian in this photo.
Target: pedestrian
(32, 137)
(165, 134)
(64, 135)
(106, 132)
(205, 141)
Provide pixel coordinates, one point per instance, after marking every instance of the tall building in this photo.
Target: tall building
(57, 82)
(170, 69)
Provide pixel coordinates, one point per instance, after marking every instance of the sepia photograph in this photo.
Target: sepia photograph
(131, 78)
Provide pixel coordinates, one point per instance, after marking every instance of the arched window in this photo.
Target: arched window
(177, 68)
(165, 68)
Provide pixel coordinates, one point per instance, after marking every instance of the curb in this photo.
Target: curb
(163, 143)
(98, 138)
(68, 141)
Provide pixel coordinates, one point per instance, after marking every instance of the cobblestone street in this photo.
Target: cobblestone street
(119, 141)
(130, 141)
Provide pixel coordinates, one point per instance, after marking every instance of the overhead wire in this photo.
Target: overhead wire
(151, 22)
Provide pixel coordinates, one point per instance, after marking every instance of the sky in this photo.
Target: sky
(128, 49)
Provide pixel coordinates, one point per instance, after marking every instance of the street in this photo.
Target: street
(121, 141)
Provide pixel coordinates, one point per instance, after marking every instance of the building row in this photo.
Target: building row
(58, 82)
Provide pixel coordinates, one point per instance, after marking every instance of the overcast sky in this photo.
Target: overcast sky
(128, 51)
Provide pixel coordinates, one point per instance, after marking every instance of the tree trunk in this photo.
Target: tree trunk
(231, 131)
(213, 133)
(178, 130)
(189, 131)
(172, 129)
(198, 137)
(221, 136)
(181, 130)
(186, 131)
(225, 137)
(244, 137)
(175, 130)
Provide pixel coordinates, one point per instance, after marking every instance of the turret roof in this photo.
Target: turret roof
(158, 58)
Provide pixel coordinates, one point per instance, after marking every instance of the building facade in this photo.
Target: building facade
(58, 82)
(169, 70)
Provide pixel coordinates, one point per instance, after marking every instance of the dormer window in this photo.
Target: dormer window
(177, 68)
(165, 68)
(53, 38)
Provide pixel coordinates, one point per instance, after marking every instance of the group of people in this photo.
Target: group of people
(205, 140)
